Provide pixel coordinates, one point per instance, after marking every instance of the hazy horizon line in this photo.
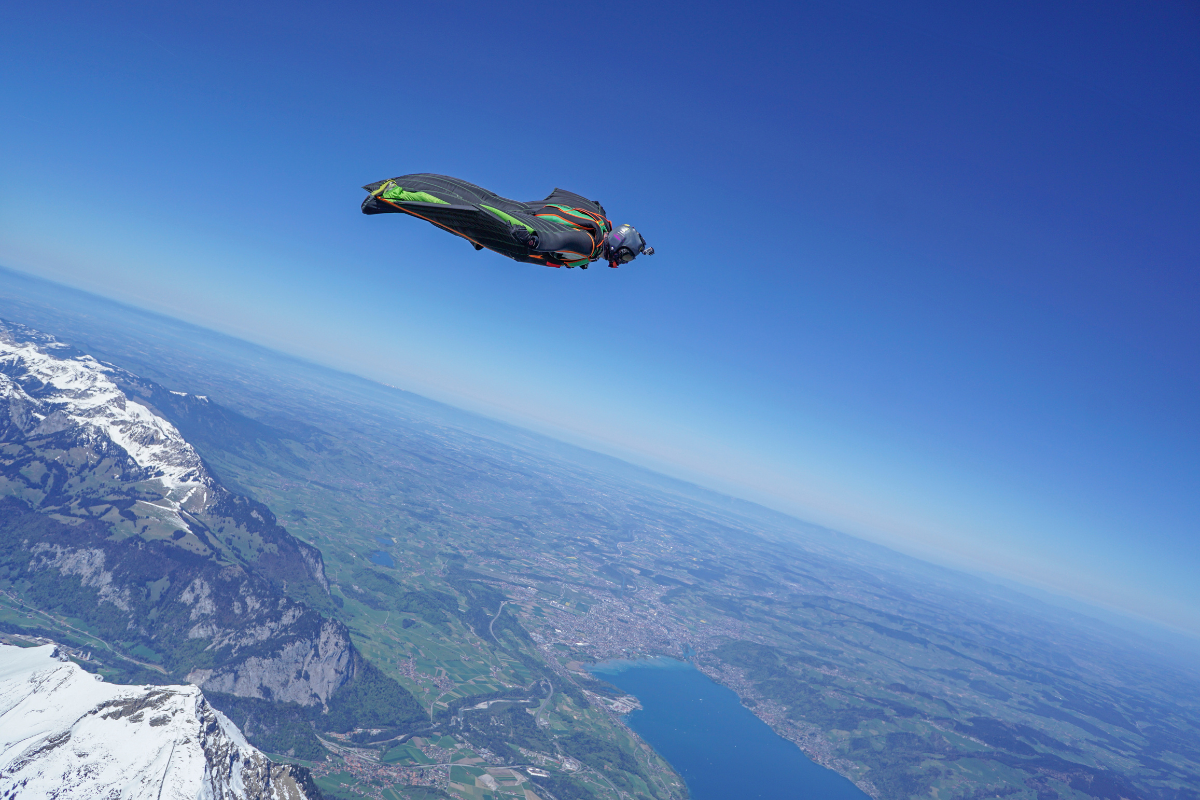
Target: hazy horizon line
(1051, 595)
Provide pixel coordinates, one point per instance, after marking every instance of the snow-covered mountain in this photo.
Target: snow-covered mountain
(65, 733)
(108, 514)
(49, 388)
(83, 440)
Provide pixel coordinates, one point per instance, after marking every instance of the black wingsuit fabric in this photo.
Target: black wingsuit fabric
(462, 213)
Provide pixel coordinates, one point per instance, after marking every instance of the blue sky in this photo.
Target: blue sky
(926, 272)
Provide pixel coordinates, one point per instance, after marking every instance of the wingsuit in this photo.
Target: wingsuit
(564, 230)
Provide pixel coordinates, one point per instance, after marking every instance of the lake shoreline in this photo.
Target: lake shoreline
(810, 756)
(811, 742)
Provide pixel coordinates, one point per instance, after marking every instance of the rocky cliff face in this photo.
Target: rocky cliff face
(305, 671)
(63, 733)
(109, 515)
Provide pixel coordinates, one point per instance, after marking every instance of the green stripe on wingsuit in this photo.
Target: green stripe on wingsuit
(509, 218)
(573, 212)
(401, 196)
(560, 219)
(581, 215)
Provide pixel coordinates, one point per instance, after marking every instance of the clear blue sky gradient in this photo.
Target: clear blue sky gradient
(926, 272)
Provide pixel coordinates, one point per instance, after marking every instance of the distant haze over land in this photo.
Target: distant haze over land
(27, 295)
(379, 584)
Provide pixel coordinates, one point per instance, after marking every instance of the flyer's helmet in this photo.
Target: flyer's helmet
(625, 244)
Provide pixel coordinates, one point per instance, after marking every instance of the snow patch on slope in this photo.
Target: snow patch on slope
(65, 733)
(56, 391)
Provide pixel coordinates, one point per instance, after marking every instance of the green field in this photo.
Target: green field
(405, 755)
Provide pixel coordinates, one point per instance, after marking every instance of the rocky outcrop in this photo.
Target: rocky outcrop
(220, 625)
(304, 671)
(85, 563)
(65, 733)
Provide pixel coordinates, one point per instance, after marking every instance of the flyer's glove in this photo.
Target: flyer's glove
(526, 237)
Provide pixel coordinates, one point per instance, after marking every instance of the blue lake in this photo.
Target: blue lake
(382, 559)
(714, 742)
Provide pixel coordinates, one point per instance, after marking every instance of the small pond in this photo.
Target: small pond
(382, 559)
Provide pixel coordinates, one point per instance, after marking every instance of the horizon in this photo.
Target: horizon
(923, 274)
(1181, 640)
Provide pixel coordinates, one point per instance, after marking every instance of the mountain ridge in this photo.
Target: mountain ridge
(111, 516)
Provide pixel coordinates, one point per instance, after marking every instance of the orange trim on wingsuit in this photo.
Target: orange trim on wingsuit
(457, 233)
(561, 219)
(574, 225)
(599, 219)
(435, 222)
(602, 223)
